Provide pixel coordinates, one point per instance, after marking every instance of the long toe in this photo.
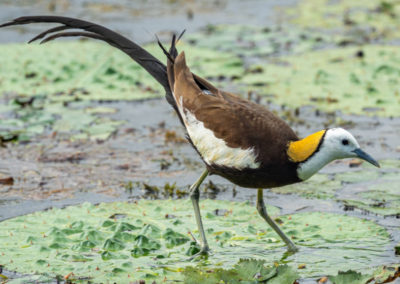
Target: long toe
(203, 253)
(292, 248)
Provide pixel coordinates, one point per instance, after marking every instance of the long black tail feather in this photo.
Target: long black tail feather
(151, 64)
(91, 30)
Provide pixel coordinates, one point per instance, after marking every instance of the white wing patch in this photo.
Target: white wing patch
(214, 150)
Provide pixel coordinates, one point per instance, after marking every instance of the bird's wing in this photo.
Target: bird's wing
(240, 123)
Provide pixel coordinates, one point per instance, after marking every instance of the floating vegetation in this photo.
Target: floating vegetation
(49, 88)
(368, 189)
(368, 84)
(150, 240)
(371, 19)
(97, 72)
(245, 271)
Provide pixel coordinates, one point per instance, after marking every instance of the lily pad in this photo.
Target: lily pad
(89, 242)
(44, 86)
(335, 79)
(376, 16)
(369, 189)
(384, 274)
(251, 41)
(382, 199)
(246, 271)
(349, 276)
(320, 186)
(357, 176)
(377, 193)
(96, 72)
(100, 110)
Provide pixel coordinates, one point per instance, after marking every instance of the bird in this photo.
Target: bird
(236, 139)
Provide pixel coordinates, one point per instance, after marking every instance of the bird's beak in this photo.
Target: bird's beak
(362, 155)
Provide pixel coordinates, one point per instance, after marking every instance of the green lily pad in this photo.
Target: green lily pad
(384, 274)
(367, 188)
(246, 271)
(65, 75)
(349, 276)
(84, 240)
(47, 84)
(72, 121)
(334, 79)
(358, 176)
(381, 198)
(205, 61)
(96, 72)
(379, 16)
(380, 195)
(373, 207)
(250, 41)
(100, 110)
(319, 186)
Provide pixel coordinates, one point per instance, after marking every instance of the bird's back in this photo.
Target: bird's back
(237, 139)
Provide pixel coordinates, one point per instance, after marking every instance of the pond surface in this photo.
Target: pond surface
(145, 155)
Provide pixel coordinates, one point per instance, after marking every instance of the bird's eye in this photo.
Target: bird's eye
(345, 142)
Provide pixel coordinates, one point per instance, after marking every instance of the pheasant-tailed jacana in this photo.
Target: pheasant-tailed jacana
(237, 139)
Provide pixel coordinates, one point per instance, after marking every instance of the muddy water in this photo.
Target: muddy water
(51, 171)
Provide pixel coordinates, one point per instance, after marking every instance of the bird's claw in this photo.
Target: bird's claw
(204, 249)
(292, 249)
(204, 252)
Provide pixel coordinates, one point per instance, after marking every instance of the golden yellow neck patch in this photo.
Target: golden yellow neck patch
(299, 151)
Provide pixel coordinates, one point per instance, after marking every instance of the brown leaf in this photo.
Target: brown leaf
(393, 277)
(6, 180)
(66, 277)
(62, 157)
(354, 163)
(322, 280)
(301, 266)
(171, 136)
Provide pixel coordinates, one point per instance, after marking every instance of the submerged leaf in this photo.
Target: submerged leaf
(173, 238)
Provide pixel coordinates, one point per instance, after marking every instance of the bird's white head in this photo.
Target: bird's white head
(339, 144)
(334, 143)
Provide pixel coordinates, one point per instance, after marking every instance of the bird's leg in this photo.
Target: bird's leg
(195, 196)
(263, 212)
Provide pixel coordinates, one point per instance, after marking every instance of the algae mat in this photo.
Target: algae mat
(150, 240)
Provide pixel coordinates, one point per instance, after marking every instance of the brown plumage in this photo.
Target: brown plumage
(241, 124)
